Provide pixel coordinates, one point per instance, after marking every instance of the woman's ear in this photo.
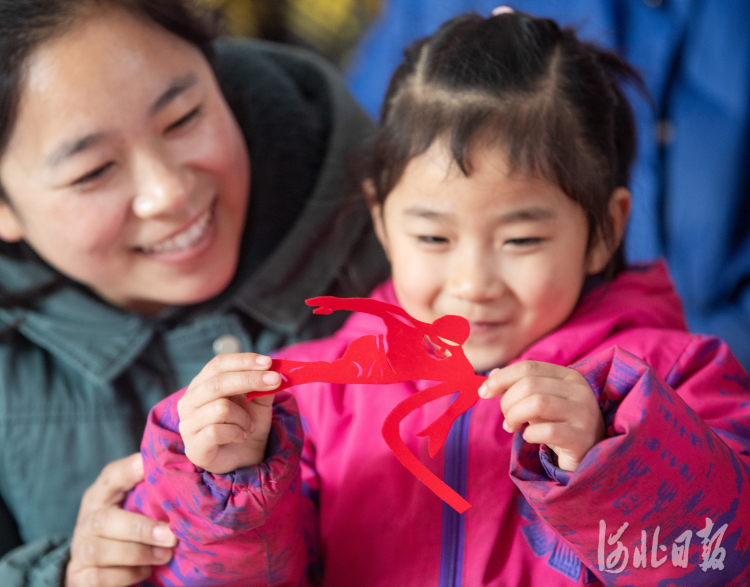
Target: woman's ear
(376, 212)
(602, 249)
(10, 228)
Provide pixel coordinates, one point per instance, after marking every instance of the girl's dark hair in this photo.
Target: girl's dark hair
(553, 101)
(26, 24)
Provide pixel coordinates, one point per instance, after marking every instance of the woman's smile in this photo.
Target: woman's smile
(189, 241)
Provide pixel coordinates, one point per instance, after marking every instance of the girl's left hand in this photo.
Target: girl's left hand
(554, 403)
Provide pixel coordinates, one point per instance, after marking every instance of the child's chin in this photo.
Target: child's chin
(483, 360)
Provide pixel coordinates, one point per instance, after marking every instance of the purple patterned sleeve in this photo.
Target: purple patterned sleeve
(241, 528)
(664, 499)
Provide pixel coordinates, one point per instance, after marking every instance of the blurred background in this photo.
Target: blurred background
(329, 27)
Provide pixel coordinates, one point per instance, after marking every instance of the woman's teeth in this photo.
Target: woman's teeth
(184, 239)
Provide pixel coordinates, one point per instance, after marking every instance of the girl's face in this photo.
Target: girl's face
(506, 252)
(125, 169)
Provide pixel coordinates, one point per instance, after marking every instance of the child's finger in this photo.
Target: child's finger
(227, 384)
(529, 387)
(544, 433)
(228, 362)
(565, 440)
(561, 435)
(536, 408)
(264, 400)
(221, 411)
(500, 380)
(212, 437)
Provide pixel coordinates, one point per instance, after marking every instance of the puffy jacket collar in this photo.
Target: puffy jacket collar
(643, 296)
(93, 338)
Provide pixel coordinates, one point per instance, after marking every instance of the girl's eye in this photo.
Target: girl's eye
(92, 175)
(524, 242)
(185, 119)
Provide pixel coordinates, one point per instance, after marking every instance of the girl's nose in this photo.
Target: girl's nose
(161, 188)
(474, 276)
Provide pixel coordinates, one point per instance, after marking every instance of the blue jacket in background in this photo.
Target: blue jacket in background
(691, 189)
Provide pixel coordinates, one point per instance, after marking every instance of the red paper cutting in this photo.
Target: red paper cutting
(410, 350)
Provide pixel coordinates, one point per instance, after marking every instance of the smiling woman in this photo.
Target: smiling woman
(135, 236)
(141, 196)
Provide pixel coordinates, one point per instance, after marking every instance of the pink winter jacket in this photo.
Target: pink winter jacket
(664, 500)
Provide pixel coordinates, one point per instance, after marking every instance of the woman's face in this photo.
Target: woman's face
(125, 169)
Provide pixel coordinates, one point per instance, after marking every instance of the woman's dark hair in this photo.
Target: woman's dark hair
(552, 101)
(26, 24)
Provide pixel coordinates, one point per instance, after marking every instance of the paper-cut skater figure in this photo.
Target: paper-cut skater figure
(410, 350)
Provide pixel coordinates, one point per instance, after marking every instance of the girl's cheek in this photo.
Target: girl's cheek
(412, 278)
(540, 286)
(556, 293)
(418, 283)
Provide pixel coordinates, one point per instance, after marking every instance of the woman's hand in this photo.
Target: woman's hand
(222, 431)
(557, 404)
(112, 547)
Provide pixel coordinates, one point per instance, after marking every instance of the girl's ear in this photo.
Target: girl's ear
(376, 212)
(10, 228)
(602, 250)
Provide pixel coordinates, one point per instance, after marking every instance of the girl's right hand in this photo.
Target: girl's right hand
(222, 431)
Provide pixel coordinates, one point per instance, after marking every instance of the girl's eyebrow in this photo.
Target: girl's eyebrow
(530, 214)
(533, 213)
(70, 148)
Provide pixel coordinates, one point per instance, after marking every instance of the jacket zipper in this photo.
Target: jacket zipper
(454, 475)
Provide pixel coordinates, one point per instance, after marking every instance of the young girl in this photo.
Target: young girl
(497, 189)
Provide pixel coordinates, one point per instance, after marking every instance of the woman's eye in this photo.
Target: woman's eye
(185, 119)
(524, 242)
(92, 175)
(432, 240)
